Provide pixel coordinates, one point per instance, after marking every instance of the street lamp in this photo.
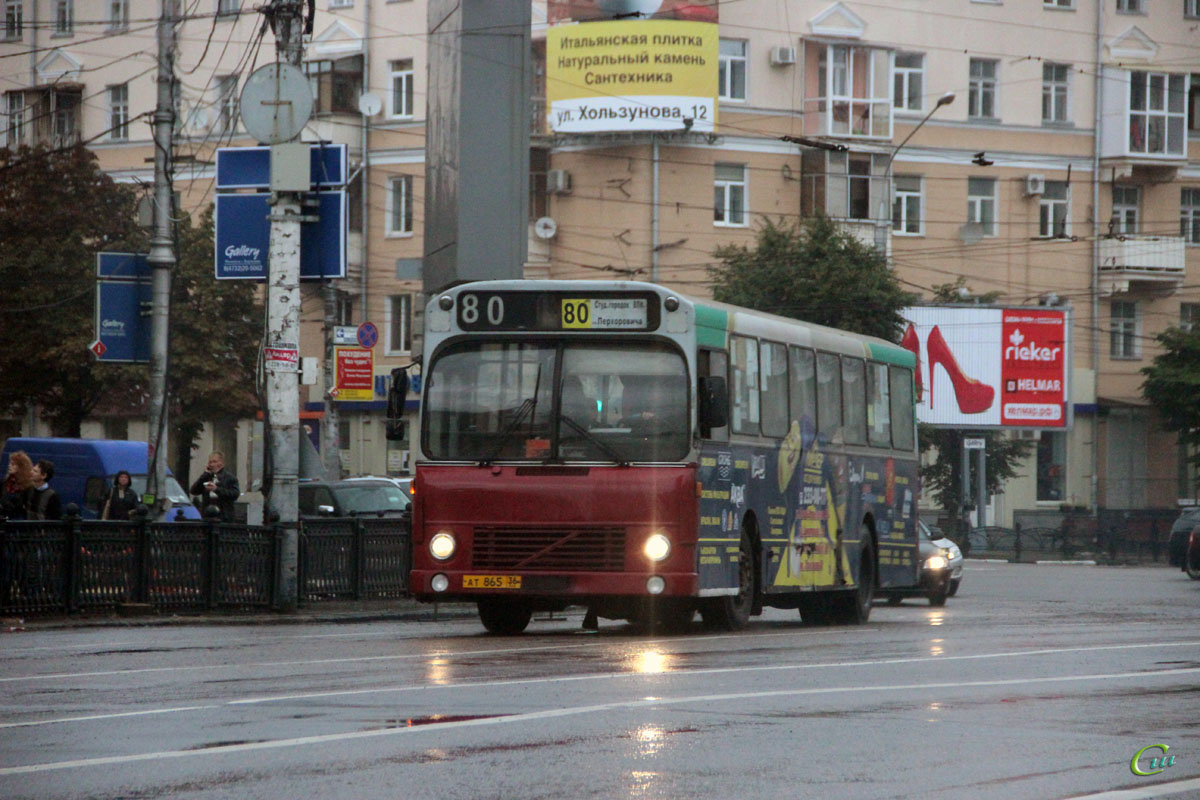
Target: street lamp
(884, 214)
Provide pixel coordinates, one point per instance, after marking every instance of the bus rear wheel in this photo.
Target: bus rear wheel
(732, 613)
(854, 608)
(504, 617)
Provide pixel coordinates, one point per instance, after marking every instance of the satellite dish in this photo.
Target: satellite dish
(276, 103)
(370, 104)
(545, 228)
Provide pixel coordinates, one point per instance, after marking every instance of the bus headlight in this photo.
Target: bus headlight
(657, 547)
(442, 545)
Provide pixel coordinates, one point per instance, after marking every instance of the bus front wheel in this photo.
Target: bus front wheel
(504, 617)
(732, 613)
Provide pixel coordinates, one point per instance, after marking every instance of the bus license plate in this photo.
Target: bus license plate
(491, 581)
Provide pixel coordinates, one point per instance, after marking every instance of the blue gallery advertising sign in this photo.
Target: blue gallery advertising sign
(119, 321)
(250, 167)
(243, 234)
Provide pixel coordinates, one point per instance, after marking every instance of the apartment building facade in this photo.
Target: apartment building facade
(1065, 171)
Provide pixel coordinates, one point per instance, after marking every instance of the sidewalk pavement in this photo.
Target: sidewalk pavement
(331, 611)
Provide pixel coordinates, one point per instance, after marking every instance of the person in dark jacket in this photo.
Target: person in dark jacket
(122, 500)
(217, 487)
(42, 502)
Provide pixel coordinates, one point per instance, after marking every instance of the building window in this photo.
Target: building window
(981, 98)
(908, 82)
(118, 14)
(13, 19)
(336, 85)
(64, 17)
(118, 111)
(1130, 7)
(1193, 104)
(1052, 466)
(906, 206)
(16, 119)
(402, 87)
(1053, 210)
(1066, 4)
(400, 206)
(1191, 9)
(859, 193)
(227, 7)
(1055, 92)
(1189, 315)
(981, 204)
(1124, 209)
(1157, 113)
(731, 69)
(400, 323)
(1123, 315)
(855, 94)
(729, 195)
(227, 103)
(1189, 212)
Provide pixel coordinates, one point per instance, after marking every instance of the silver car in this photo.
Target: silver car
(949, 550)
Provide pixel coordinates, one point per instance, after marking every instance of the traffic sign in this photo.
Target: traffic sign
(97, 347)
(368, 335)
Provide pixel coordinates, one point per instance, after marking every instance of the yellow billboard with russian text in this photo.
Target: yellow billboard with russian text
(632, 75)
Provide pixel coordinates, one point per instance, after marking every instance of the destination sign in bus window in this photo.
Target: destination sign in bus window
(557, 311)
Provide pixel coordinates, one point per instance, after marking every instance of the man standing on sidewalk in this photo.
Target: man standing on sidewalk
(217, 487)
(41, 502)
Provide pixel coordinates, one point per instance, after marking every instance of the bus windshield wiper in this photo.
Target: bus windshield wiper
(526, 406)
(604, 446)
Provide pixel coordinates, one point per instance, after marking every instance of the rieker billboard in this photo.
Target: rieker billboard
(985, 367)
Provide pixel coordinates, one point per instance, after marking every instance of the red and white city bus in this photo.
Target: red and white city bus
(619, 446)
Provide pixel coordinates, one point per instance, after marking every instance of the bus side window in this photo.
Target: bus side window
(854, 399)
(774, 390)
(713, 363)
(804, 386)
(829, 396)
(879, 412)
(743, 384)
(902, 407)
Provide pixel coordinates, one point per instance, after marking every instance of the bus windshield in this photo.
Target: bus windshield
(557, 401)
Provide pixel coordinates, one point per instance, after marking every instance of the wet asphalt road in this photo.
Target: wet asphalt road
(1035, 682)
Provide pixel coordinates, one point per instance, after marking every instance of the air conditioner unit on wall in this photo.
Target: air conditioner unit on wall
(558, 181)
(1035, 184)
(782, 56)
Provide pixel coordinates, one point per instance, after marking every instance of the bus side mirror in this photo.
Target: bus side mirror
(714, 402)
(396, 397)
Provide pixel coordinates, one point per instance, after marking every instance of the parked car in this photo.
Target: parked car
(1180, 530)
(1191, 558)
(84, 470)
(405, 484)
(940, 573)
(353, 497)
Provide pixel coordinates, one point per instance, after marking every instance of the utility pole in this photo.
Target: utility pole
(283, 328)
(162, 253)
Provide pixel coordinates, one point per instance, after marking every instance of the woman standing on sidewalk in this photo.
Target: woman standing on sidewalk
(122, 500)
(18, 481)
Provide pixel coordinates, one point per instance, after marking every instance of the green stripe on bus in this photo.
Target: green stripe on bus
(711, 326)
(892, 355)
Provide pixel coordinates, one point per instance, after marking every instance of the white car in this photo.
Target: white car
(949, 550)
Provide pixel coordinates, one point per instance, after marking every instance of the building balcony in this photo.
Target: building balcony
(870, 233)
(338, 128)
(1143, 123)
(1141, 263)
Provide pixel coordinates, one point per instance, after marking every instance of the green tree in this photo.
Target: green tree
(57, 210)
(215, 330)
(814, 271)
(1172, 386)
(941, 475)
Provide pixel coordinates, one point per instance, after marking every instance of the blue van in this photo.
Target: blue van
(84, 470)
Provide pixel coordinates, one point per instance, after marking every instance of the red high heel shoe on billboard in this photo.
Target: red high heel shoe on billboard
(972, 396)
(912, 343)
